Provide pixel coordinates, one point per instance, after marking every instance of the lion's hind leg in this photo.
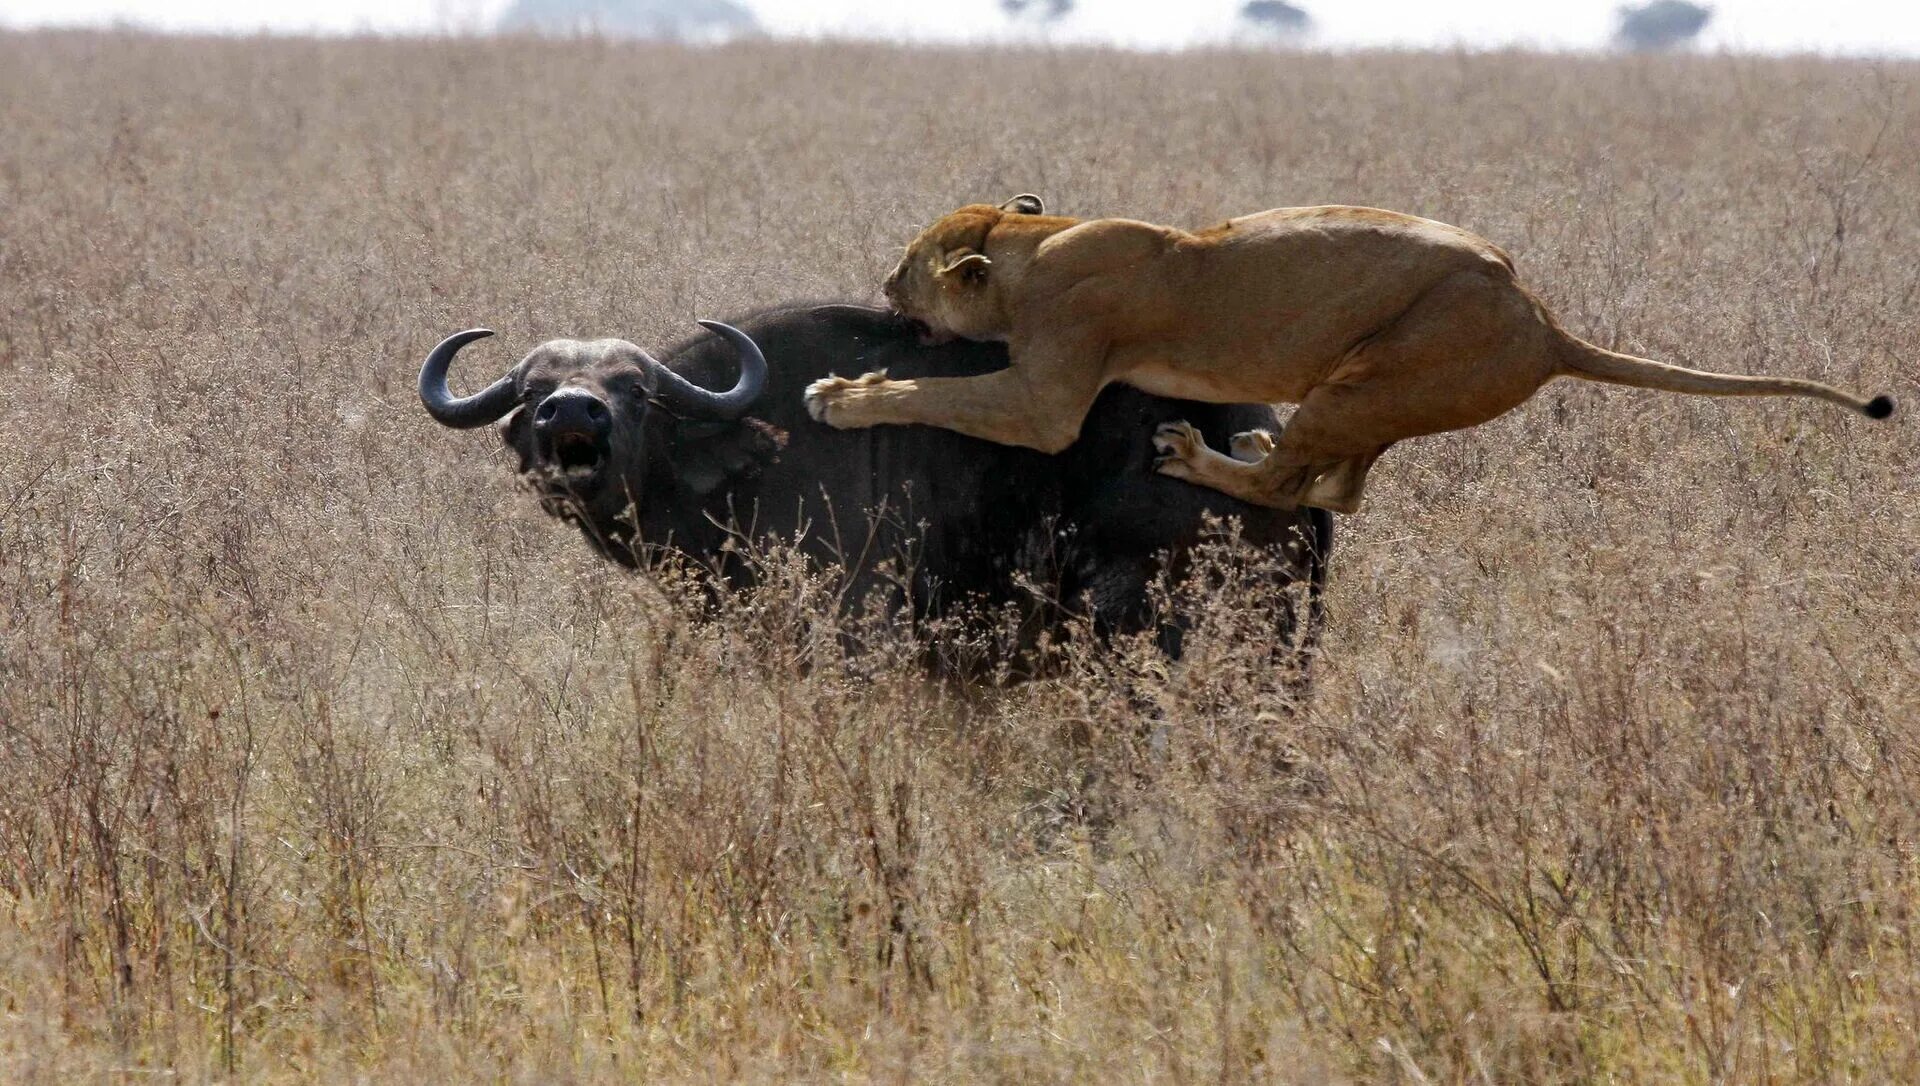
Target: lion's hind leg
(1472, 347)
(1340, 490)
(1184, 454)
(1321, 458)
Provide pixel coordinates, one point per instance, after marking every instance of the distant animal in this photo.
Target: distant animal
(650, 463)
(1044, 10)
(1276, 15)
(670, 20)
(1381, 326)
(1661, 24)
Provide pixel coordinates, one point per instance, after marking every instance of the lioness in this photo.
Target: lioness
(1381, 326)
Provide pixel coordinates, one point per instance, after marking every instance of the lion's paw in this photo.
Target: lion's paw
(1179, 445)
(833, 400)
(1178, 439)
(1251, 446)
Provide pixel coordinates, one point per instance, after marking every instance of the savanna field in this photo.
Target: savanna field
(325, 755)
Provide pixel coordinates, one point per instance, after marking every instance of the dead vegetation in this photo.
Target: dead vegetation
(325, 756)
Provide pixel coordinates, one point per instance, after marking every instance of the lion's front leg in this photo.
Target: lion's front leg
(1002, 407)
(849, 403)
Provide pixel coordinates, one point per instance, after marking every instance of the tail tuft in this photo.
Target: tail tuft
(1879, 407)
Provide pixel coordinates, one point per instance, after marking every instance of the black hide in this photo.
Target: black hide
(1092, 525)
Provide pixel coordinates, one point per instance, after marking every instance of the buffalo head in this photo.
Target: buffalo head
(584, 406)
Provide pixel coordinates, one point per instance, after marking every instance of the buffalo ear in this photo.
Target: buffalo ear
(707, 456)
(514, 432)
(1025, 204)
(969, 265)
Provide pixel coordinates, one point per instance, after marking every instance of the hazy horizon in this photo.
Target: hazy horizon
(1849, 27)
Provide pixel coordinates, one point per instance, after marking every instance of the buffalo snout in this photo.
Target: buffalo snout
(573, 408)
(572, 430)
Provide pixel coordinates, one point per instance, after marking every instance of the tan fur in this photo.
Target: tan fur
(1381, 326)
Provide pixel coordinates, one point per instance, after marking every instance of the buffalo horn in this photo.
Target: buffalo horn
(463, 412)
(691, 400)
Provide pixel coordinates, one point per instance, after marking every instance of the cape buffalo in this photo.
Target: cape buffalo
(647, 460)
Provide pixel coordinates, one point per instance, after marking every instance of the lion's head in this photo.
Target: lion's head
(947, 284)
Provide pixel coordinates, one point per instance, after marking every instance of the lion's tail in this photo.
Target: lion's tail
(1584, 360)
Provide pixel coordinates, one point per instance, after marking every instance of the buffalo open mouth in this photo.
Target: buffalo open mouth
(574, 462)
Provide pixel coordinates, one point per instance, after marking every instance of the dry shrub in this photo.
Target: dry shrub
(326, 756)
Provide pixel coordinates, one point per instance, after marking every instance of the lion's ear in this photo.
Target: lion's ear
(1025, 204)
(970, 266)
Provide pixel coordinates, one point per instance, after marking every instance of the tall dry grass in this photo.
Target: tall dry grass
(324, 755)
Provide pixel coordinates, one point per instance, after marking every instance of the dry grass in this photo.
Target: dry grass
(324, 755)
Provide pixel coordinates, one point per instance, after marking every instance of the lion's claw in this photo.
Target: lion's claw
(1179, 444)
(831, 399)
(1178, 440)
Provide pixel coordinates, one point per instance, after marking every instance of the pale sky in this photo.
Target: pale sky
(1882, 27)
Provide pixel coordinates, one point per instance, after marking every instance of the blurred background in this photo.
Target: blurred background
(1850, 27)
